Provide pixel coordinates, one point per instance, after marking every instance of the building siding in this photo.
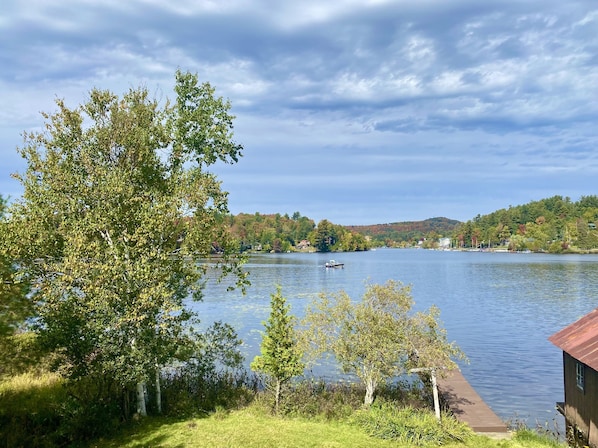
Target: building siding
(581, 407)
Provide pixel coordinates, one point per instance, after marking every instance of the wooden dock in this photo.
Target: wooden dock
(468, 407)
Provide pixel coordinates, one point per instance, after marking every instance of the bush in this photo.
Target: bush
(530, 436)
(190, 390)
(94, 408)
(21, 353)
(48, 411)
(29, 410)
(313, 398)
(410, 426)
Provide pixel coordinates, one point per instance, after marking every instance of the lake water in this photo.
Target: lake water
(500, 308)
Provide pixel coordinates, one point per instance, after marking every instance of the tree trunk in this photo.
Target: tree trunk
(141, 409)
(276, 396)
(435, 394)
(126, 394)
(370, 388)
(158, 391)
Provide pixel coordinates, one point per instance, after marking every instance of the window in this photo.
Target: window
(580, 377)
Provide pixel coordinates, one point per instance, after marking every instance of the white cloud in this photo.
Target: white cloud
(387, 99)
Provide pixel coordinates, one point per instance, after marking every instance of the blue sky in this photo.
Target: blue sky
(355, 111)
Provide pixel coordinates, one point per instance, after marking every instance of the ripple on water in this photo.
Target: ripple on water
(499, 308)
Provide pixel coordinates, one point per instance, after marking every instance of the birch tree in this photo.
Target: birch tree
(379, 337)
(118, 211)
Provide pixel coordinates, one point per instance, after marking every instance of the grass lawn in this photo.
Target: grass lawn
(249, 428)
(29, 406)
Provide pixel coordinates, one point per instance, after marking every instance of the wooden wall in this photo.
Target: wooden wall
(581, 407)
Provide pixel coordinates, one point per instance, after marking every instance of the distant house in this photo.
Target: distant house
(444, 243)
(303, 244)
(579, 342)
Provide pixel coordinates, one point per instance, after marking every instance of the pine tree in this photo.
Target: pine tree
(281, 357)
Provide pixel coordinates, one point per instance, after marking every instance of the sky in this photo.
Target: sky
(354, 111)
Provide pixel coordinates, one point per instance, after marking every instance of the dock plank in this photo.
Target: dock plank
(467, 406)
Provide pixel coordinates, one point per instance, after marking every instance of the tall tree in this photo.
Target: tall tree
(118, 209)
(377, 338)
(281, 356)
(324, 236)
(15, 306)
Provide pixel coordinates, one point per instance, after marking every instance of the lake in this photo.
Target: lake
(500, 308)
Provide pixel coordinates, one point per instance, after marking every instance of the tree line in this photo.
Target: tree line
(556, 224)
(283, 233)
(407, 233)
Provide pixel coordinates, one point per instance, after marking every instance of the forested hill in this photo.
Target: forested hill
(555, 224)
(282, 233)
(408, 231)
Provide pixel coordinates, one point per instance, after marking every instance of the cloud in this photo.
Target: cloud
(356, 111)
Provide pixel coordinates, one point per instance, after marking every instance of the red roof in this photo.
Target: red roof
(580, 339)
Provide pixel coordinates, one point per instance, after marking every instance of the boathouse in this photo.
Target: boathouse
(579, 342)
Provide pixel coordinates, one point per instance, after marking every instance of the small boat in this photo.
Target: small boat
(334, 264)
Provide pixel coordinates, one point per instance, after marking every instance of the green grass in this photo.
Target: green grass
(28, 405)
(252, 428)
(33, 413)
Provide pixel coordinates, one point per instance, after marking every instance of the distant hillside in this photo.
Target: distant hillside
(407, 231)
(556, 224)
(283, 233)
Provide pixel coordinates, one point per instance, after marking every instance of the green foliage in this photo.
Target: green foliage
(116, 213)
(210, 377)
(338, 400)
(554, 225)
(276, 233)
(15, 306)
(318, 399)
(247, 428)
(194, 390)
(41, 409)
(269, 232)
(30, 410)
(280, 358)
(37, 411)
(45, 410)
(410, 426)
(252, 428)
(411, 232)
(219, 345)
(92, 409)
(325, 236)
(532, 438)
(377, 338)
(22, 353)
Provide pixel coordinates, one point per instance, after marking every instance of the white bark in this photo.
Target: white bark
(434, 387)
(141, 409)
(435, 394)
(370, 388)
